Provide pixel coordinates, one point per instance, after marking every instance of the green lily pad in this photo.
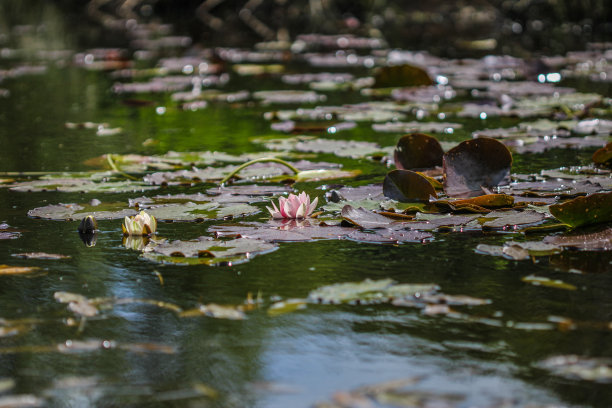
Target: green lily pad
(592, 209)
(72, 211)
(366, 219)
(417, 151)
(407, 186)
(206, 251)
(79, 185)
(368, 291)
(550, 283)
(199, 212)
(407, 127)
(474, 164)
(401, 75)
(340, 148)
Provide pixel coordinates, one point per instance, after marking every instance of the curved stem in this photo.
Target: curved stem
(110, 161)
(262, 160)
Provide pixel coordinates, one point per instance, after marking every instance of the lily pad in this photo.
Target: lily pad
(407, 186)
(406, 127)
(207, 251)
(72, 211)
(401, 75)
(7, 232)
(17, 270)
(592, 209)
(340, 148)
(199, 212)
(79, 185)
(475, 164)
(592, 241)
(365, 219)
(417, 151)
(368, 291)
(288, 96)
(512, 219)
(283, 231)
(40, 255)
(603, 156)
(575, 367)
(550, 283)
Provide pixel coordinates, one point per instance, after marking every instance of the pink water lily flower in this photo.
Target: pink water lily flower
(294, 206)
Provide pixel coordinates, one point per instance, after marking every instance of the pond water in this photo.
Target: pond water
(121, 345)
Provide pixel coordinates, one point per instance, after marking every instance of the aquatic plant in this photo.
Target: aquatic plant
(140, 224)
(294, 206)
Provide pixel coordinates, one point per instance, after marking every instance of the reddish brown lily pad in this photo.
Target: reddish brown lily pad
(603, 156)
(474, 164)
(407, 186)
(593, 241)
(592, 209)
(401, 75)
(417, 151)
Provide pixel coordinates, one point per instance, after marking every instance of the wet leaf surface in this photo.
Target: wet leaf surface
(40, 255)
(207, 251)
(512, 219)
(341, 148)
(408, 186)
(365, 219)
(591, 241)
(7, 232)
(408, 127)
(547, 282)
(603, 156)
(17, 270)
(475, 164)
(367, 291)
(401, 75)
(576, 367)
(78, 185)
(592, 209)
(417, 151)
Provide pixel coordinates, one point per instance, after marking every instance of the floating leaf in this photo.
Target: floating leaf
(551, 283)
(417, 151)
(512, 219)
(575, 367)
(286, 306)
(367, 291)
(17, 270)
(78, 185)
(216, 311)
(407, 186)
(40, 255)
(407, 127)
(401, 75)
(21, 401)
(206, 250)
(603, 156)
(340, 148)
(78, 304)
(592, 209)
(7, 232)
(593, 241)
(475, 164)
(365, 219)
(283, 231)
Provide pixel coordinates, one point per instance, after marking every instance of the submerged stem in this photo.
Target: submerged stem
(261, 160)
(110, 161)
